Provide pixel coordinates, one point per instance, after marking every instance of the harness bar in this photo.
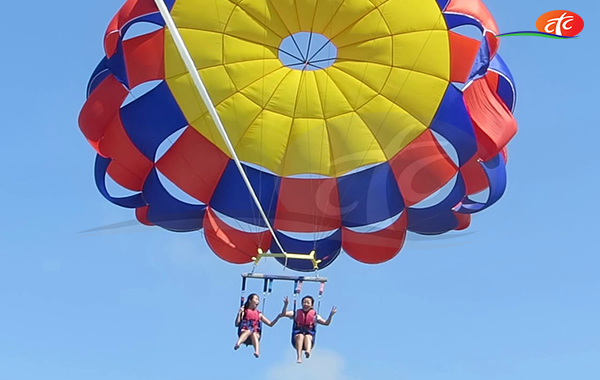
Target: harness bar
(299, 256)
(286, 278)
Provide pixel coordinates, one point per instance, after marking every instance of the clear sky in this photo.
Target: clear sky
(518, 298)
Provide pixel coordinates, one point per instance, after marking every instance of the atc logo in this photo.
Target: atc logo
(560, 23)
(554, 24)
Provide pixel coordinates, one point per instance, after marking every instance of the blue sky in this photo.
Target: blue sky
(516, 299)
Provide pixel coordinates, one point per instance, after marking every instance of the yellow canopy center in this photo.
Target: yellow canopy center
(382, 90)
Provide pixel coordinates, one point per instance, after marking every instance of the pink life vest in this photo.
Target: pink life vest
(252, 317)
(305, 321)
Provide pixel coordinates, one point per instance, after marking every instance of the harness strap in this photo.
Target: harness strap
(265, 284)
(297, 290)
(267, 290)
(321, 290)
(243, 291)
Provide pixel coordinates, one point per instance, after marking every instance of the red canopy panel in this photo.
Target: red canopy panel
(464, 220)
(142, 58)
(492, 79)
(130, 10)
(141, 213)
(129, 167)
(125, 177)
(421, 168)
(475, 9)
(376, 247)
(463, 51)
(100, 122)
(494, 124)
(493, 43)
(232, 245)
(194, 164)
(100, 108)
(308, 205)
(474, 176)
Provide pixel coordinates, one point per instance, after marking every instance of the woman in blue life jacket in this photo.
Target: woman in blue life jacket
(305, 320)
(248, 321)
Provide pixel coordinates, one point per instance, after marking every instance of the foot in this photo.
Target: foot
(256, 354)
(307, 354)
(299, 361)
(236, 346)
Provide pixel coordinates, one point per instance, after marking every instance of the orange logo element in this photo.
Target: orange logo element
(560, 23)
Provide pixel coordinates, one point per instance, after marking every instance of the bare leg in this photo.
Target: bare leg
(243, 336)
(299, 340)
(256, 344)
(307, 345)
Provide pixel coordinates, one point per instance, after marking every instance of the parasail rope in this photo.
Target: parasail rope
(191, 68)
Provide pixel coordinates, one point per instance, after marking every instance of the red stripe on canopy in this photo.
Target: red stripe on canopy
(308, 205)
(194, 164)
(421, 168)
(474, 176)
(463, 51)
(492, 80)
(494, 124)
(135, 166)
(376, 247)
(493, 43)
(232, 245)
(144, 58)
(100, 109)
(141, 213)
(475, 9)
(125, 177)
(130, 10)
(100, 122)
(464, 220)
(505, 154)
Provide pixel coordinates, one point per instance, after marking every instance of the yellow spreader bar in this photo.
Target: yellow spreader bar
(297, 256)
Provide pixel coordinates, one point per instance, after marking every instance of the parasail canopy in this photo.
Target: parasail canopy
(345, 123)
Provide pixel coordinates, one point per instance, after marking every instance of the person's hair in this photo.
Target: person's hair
(312, 300)
(247, 304)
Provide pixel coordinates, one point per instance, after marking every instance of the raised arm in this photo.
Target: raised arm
(323, 322)
(284, 312)
(239, 316)
(267, 322)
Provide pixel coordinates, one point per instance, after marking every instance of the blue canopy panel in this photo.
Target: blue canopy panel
(482, 61)
(151, 118)
(439, 218)
(454, 20)
(232, 197)
(152, 18)
(116, 65)
(506, 84)
(369, 196)
(100, 167)
(100, 73)
(443, 4)
(495, 170)
(453, 122)
(326, 250)
(168, 212)
(170, 3)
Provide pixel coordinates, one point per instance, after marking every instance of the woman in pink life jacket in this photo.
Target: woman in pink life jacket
(303, 332)
(248, 321)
